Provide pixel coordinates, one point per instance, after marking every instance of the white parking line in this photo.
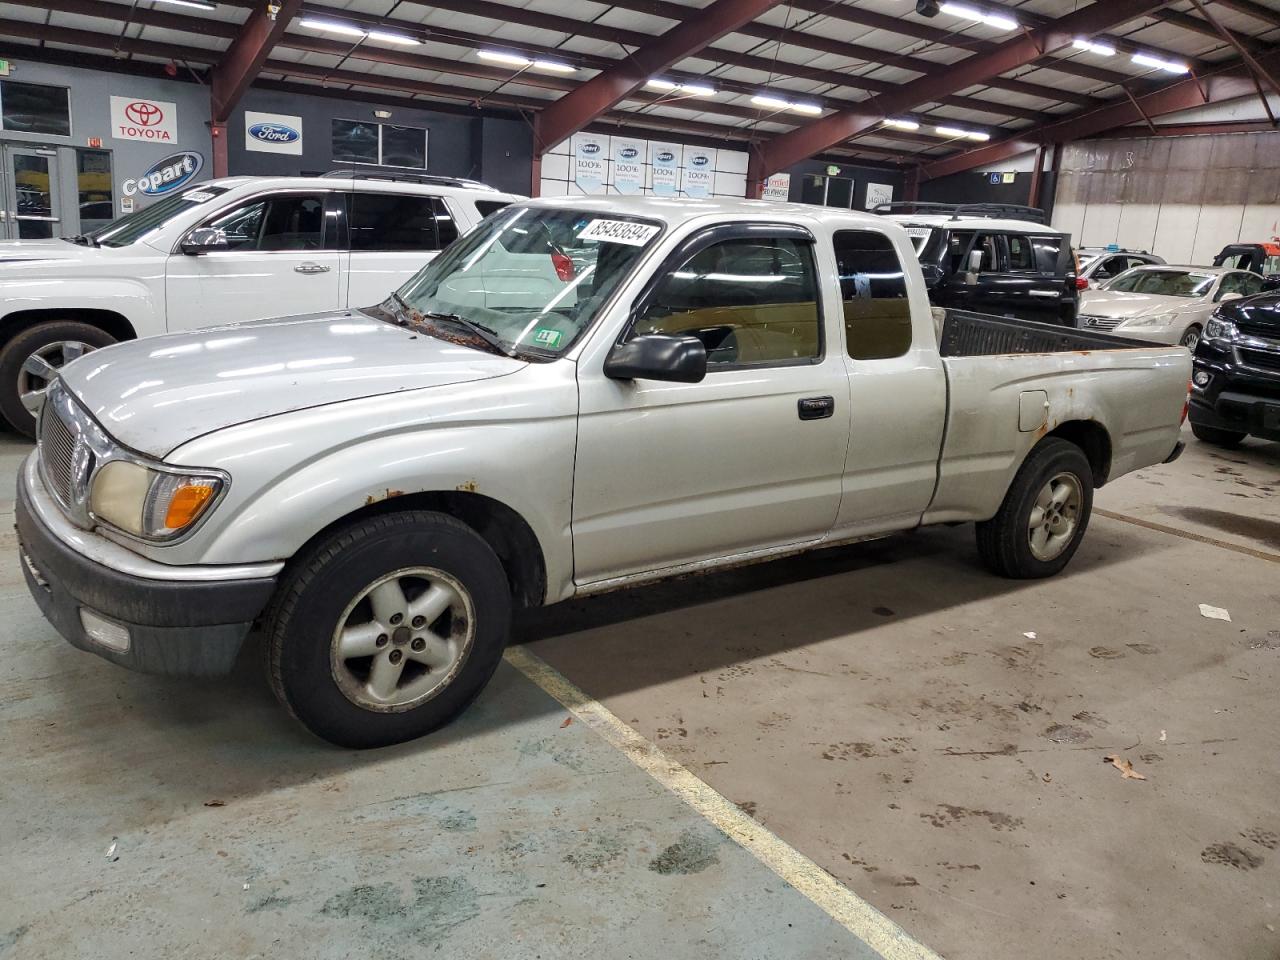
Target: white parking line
(839, 902)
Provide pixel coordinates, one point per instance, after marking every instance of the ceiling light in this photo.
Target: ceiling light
(697, 90)
(689, 89)
(808, 109)
(951, 131)
(654, 83)
(978, 135)
(1094, 46)
(1169, 66)
(999, 21)
(898, 124)
(554, 66)
(198, 4)
(332, 26)
(511, 59)
(773, 103)
(387, 37)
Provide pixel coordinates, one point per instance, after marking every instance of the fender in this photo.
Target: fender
(139, 301)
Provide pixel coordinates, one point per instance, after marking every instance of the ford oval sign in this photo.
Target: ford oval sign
(628, 153)
(274, 133)
(665, 156)
(164, 176)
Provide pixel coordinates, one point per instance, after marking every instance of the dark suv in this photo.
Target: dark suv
(992, 258)
(1235, 385)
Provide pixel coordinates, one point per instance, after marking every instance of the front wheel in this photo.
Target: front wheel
(30, 361)
(1191, 337)
(388, 629)
(1044, 514)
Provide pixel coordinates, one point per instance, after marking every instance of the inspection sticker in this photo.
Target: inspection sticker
(619, 231)
(199, 196)
(545, 337)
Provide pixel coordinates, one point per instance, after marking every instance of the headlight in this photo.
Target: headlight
(1162, 320)
(148, 503)
(1219, 329)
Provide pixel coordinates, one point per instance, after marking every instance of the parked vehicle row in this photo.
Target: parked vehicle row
(230, 250)
(579, 395)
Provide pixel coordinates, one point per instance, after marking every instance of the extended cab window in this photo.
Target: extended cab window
(275, 223)
(749, 300)
(390, 221)
(873, 288)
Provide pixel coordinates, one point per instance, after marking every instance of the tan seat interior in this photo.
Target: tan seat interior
(761, 332)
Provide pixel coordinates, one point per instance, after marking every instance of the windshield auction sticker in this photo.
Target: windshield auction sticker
(619, 231)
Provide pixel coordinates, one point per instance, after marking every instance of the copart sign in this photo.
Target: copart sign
(164, 176)
(155, 121)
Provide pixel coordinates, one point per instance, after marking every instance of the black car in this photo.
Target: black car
(993, 258)
(1235, 385)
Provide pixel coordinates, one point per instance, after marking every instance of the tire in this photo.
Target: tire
(1219, 438)
(321, 673)
(40, 344)
(1005, 542)
(1191, 337)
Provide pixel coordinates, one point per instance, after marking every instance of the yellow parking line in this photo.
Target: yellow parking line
(839, 902)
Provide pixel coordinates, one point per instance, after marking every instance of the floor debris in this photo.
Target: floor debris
(111, 851)
(1214, 613)
(567, 721)
(215, 803)
(1030, 634)
(1164, 735)
(1124, 766)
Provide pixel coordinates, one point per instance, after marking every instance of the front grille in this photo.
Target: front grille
(1098, 323)
(1264, 331)
(57, 453)
(1259, 359)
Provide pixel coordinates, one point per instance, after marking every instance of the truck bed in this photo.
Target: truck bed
(967, 334)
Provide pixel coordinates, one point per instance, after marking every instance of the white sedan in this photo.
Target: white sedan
(1168, 304)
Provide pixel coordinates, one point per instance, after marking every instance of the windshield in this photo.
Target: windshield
(1165, 283)
(533, 278)
(133, 226)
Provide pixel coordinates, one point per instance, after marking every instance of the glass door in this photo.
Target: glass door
(30, 182)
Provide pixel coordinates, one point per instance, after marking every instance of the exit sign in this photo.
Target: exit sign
(4, 68)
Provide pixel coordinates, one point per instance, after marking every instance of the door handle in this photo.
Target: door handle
(816, 408)
(310, 268)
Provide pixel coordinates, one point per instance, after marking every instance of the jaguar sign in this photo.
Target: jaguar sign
(164, 176)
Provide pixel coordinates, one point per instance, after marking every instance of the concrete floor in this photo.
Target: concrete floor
(878, 707)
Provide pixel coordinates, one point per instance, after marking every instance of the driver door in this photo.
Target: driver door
(281, 259)
(753, 455)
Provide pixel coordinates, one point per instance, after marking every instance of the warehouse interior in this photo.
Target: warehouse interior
(856, 743)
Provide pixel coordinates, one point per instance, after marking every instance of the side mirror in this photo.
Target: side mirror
(975, 261)
(203, 239)
(1224, 297)
(658, 356)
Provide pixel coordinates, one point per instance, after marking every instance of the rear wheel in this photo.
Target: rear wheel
(1044, 514)
(388, 628)
(30, 361)
(1219, 438)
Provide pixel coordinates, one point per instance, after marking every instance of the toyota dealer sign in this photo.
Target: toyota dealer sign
(155, 121)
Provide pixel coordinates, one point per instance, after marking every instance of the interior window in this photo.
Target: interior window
(1252, 284)
(275, 223)
(388, 221)
(873, 290)
(748, 300)
(1239, 283)
(1048, 251)
(1020, 255)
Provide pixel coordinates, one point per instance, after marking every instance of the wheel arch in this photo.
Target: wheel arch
(1093, 440)
(109, 321)
(505, 530)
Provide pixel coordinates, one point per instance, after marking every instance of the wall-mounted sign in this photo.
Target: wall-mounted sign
(589, 161)
(994, 178)
(164, 176)
(155, 121)
(1009, 177)
(628, 165)
(272, 133)
(4, 68)
(878, 193)
(699, 172)
(833, 171)
(94, 142)
(664, 158)
(777, 187)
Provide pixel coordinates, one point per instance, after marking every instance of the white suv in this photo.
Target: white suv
(235, 249)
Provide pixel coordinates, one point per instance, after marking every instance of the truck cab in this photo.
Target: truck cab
(999, 259)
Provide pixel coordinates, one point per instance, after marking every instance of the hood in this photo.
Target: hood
(22, 251)
(1113, 303)
(155, 394)
(1254, 316)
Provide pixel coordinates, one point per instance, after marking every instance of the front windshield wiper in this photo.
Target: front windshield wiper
(83, 239)
(487, 334)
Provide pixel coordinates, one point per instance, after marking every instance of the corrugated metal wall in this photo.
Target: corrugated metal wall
(1183, 198)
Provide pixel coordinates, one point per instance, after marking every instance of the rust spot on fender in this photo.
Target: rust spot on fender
(386, 495)
(469, 487)
(394, 493)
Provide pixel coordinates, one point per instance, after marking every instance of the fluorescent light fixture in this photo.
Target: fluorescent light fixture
(965, 12)
(689, 89)
(1158, 63)
(978, 135)
(697, 90)
(1094, 46)
(510, 59)
(808, 109)
(899, 124)
(655, 83)
(332, 26)
(950, 131)
(554, 66)
(198, 4)
(773, 103)
(387, 36)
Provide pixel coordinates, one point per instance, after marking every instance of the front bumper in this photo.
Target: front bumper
(1237, 412)
(179, 627)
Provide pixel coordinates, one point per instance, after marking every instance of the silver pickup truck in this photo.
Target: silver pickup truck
(578, 396)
